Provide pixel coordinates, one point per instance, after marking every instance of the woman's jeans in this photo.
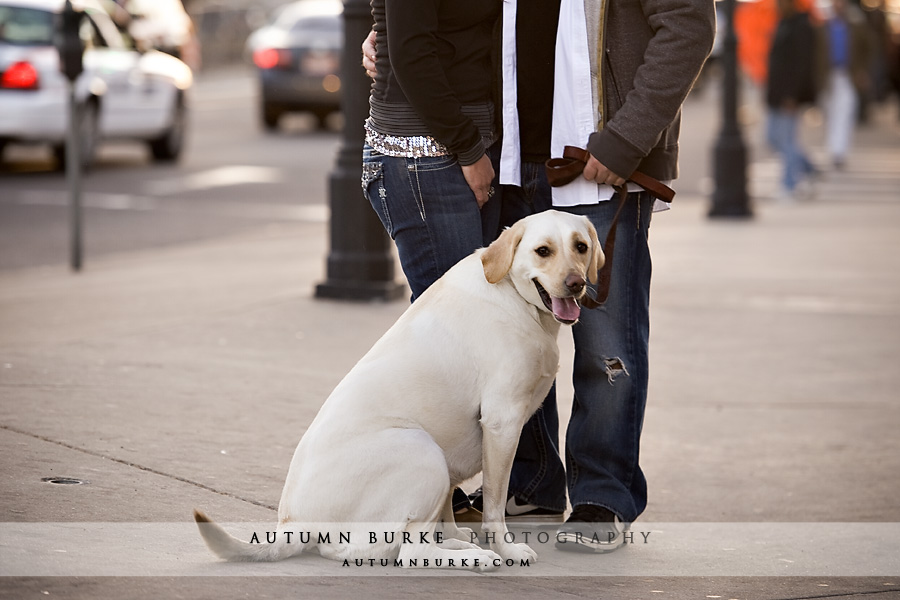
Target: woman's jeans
(429, 210)
(610, 380)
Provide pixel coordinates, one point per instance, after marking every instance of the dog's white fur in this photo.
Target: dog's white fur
(441, 396)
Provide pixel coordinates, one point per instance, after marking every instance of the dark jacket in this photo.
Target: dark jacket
(653, 51)
(792, 63)
(437, 60)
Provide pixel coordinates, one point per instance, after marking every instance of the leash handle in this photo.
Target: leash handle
(562, 171)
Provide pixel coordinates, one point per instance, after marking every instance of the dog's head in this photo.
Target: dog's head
(549, 257)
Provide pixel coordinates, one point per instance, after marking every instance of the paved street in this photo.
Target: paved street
(180, 372)
(233, 177)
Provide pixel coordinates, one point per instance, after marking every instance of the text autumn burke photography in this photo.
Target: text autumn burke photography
(391, 537)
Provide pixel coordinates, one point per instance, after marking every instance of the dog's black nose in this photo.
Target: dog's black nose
(575, 283)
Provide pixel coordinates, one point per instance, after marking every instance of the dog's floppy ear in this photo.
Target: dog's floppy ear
(498, 258)
(597, 257)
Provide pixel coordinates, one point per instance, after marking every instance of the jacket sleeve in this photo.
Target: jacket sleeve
(412, 46)
(683, 33)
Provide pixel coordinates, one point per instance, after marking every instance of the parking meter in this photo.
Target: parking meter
(71, 53)
(68, 41)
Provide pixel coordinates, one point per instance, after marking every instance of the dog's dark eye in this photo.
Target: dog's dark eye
(581, 247)
(542, 251)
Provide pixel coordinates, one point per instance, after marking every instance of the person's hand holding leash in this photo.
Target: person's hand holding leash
(597, 172)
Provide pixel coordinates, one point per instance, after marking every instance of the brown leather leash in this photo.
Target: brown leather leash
(562, 171)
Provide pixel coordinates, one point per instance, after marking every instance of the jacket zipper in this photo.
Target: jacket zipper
(601, 51)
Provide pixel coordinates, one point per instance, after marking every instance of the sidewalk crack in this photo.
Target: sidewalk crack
(127, 463)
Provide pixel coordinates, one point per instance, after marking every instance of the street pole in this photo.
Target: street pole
(73, 175)
(730, 197)
(360, 264)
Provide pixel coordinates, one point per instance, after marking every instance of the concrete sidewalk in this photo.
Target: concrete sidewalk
(184, 377)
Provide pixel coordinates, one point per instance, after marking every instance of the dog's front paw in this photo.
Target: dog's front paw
(518, 553)
(487, 561)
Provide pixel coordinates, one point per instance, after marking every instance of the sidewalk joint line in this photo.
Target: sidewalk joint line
(839, 595)
(140, 467)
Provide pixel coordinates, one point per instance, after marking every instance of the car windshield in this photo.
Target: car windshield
(25, 26)
(317, 24)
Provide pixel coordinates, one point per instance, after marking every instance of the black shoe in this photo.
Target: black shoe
(518, 512)
(591, 529)
(463, 512)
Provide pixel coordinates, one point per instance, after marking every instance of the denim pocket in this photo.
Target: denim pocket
(373, 188)
(432, 163)
(371, 172)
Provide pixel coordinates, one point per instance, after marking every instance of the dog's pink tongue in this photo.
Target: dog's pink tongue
(565, 309)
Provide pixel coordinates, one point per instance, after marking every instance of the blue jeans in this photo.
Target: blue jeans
(610, 381)
(534, 196)
(430, 212)
(782, 136)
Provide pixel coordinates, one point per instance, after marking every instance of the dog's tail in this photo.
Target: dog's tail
(224, 545)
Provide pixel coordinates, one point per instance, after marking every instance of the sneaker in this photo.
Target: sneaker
(463, 512)
(519, 512)
(591, 529)
(468, 515)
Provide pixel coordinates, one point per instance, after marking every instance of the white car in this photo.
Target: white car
(127, 94)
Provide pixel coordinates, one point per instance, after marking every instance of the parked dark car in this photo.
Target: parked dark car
(298, 58)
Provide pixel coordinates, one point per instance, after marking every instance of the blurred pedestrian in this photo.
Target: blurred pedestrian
(790, 87)
(879, 43)
(893, 63)
(847, 57)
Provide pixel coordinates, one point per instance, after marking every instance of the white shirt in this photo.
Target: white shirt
(510, 150)
(575, 111)
(575, 101)
(575, 114)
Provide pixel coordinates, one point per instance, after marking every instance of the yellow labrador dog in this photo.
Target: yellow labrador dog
(442, 395)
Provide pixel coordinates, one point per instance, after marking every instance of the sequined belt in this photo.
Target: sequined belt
(415, 146)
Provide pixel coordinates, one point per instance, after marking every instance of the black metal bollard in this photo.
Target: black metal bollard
(730, 197)
(360, 263)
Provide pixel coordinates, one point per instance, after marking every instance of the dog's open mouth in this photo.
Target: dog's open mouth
(565, 310)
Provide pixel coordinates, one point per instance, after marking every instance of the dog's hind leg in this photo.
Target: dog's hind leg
(430, 493)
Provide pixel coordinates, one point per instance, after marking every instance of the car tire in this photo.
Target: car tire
(168, 146)
(88, 135)
(270, 116)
